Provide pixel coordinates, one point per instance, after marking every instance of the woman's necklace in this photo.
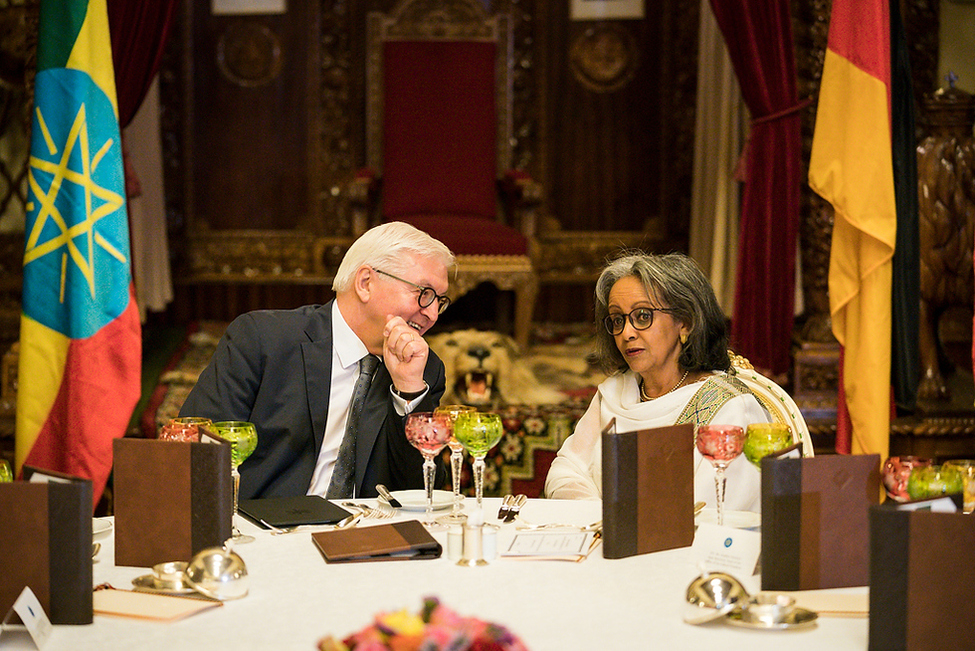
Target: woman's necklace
(646, 398)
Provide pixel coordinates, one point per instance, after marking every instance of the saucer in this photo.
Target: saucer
(798, 618)
(100, 528)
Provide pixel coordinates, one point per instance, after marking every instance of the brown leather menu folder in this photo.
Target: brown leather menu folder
(815, 520)
(46, 544)
(407, 540)
(172, 499)
(648, 490)
(921, 578)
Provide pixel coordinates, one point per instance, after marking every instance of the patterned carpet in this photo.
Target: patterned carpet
(518, 464)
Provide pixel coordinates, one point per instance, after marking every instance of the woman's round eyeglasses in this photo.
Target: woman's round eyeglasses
(427, 295)
(640, 318)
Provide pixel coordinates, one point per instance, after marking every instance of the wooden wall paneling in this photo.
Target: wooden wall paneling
(616, 95)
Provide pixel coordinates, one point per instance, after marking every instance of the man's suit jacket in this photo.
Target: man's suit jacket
(273, 368)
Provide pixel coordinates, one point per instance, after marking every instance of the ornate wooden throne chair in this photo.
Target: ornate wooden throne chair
(438, 140)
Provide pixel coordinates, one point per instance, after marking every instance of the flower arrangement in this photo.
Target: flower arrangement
(434, 628)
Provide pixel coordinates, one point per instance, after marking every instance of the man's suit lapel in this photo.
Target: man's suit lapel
(316, 356)
(378, 405)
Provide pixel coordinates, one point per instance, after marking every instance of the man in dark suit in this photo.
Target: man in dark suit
(292, 372)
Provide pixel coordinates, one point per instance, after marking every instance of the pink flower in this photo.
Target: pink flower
(435, 628)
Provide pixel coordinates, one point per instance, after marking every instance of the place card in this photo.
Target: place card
(31, 615)
(726, 549)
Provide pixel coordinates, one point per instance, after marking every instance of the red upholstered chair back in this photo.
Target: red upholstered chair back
(440, 129)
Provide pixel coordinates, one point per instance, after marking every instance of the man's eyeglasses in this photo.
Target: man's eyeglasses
(640, 318)
(427, 295)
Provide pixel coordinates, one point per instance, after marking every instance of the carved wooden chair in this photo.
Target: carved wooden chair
(438, 139)
(775, 400)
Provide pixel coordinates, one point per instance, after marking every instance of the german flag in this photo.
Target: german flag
(80, 338)
(852, 168)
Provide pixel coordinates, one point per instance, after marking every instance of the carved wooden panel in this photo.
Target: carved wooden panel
(618, 116)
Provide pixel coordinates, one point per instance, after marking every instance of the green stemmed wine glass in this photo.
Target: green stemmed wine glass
(6, 473)
(243, 441)
(763, 439)
(478, 432)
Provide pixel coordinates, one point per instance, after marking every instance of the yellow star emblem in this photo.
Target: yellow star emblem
(107, 200)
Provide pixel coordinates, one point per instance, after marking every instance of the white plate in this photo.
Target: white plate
(100, 528)
(416, 500)
(735, 519)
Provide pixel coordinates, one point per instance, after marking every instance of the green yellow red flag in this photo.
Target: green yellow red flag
(80, 338)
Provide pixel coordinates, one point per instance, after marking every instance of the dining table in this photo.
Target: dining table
(295, 598)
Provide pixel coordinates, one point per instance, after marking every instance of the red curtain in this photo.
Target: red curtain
(139, 31)
(758, 34)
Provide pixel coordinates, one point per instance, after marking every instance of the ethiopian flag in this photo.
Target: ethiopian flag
(80, 339)
(852, 168)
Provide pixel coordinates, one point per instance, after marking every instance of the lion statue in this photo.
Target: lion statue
(485, 368)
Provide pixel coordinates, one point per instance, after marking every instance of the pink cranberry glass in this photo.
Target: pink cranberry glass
(896, 472)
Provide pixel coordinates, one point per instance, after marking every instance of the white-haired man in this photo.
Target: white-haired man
(292, 373)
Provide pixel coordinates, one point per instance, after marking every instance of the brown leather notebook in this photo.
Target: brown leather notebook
(648, 490)
(172, 499)
(407, 540)
(815, 531)
(921, 579)
(46, 544)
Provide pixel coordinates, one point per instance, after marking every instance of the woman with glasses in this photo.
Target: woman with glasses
(663, 340)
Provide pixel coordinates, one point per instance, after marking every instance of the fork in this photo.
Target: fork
(377, 512)
(345, 523)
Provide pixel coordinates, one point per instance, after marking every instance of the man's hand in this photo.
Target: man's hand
(405, 355)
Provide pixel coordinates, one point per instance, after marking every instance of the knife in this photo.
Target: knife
(515, 507)
(386, 495)
(505, 506)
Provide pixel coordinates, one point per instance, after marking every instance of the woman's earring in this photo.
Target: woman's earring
(683, 338)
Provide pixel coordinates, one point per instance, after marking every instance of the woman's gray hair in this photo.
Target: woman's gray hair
(385, 247)
(676, 282)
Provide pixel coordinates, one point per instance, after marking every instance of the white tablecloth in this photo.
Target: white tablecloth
(295, 599)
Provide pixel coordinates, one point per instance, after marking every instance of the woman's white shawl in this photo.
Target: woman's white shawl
(576, 472)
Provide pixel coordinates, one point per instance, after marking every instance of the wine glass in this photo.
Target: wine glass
(429, 432)
(967, 469)
(897, 471)
(186, 428)
(478, 432)
(720, 444)
(243, 441)
(6, 473)
(763, 439)
(456, 462)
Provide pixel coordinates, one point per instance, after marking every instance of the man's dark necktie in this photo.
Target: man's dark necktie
(343, 476)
